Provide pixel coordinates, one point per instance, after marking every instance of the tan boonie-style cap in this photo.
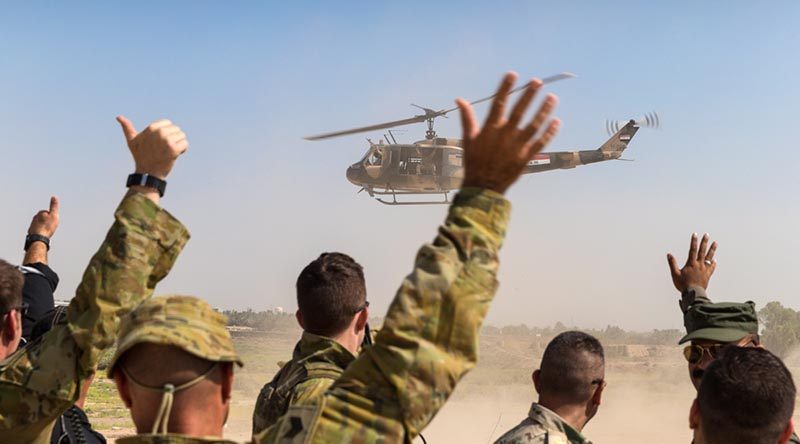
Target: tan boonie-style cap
(186, 322)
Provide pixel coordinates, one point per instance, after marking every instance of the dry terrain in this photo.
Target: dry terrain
(647, 399)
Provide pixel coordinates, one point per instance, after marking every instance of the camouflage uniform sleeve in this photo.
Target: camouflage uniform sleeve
(311, 392)
(138, 252)
(694, 294)
(41, 381)
(429, 339)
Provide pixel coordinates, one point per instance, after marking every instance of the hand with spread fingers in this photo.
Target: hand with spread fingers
(699, 266)
(495, 155)
(156, 148)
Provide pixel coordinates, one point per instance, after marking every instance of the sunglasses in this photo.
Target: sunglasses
(694, 353)
(23, 309)
(364, 307)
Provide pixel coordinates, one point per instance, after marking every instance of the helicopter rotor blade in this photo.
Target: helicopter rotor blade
(429, 113)
(415, 119)
(545, 81)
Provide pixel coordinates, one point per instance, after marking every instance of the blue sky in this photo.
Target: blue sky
(246, 80)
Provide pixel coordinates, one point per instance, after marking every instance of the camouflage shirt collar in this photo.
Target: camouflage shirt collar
(315, 348)
(172, 438)
(550, 420)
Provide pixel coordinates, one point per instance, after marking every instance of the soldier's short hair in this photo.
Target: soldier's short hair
(572, 366)
(746, 396)
(330, 291)
(11, 282)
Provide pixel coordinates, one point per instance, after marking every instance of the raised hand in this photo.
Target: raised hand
(495, 155)
(45, 222)
(699, 267)
(156, 148)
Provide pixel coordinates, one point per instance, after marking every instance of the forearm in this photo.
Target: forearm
(139, 250)
(430, 336)
(37, 253)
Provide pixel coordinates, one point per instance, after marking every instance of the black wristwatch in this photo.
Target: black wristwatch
(31, 238)
(146, 180)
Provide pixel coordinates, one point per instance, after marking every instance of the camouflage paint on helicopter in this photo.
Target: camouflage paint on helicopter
(433, 166)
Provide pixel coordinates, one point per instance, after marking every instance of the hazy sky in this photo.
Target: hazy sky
(246, 80)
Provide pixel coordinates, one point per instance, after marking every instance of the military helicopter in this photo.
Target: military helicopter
(433, 166)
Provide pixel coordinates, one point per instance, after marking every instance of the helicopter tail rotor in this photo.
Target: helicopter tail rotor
(649, 120)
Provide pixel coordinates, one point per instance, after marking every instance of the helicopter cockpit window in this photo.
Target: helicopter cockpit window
(375, 158)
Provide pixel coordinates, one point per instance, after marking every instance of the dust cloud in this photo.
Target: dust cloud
(647, 398)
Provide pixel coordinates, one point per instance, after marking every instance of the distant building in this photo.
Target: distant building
(238, 328)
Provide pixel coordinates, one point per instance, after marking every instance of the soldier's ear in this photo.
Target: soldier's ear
(537, 377)
(597, 397)
(361, 319)
(122, 388)
(787, 433)
(299, 317)
(12, 329)
(227, 381)
(694, 416)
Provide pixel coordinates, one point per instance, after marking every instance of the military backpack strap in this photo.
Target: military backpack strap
(326, 370)
(274, 398)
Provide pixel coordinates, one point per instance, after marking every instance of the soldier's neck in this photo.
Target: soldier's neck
(574, 415)
(349, 340)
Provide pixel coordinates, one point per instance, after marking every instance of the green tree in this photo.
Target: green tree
(780, 328)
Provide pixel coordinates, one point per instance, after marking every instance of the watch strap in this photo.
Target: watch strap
(31, 238)
(146, 180)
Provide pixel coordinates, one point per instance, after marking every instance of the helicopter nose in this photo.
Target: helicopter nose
(352, 174)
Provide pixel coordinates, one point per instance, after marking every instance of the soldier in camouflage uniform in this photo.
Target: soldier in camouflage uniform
(38, 383)
(429, 339)
(570, 382)
(710, 326)
(333, 312)
(430, 336)
(186, 397)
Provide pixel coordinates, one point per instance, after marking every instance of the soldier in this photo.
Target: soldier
(746, 397)
(40, 280)
(710, 326)
(333, 312)
(186, 397)
(570, 383)
(41, 381)
(429, 339)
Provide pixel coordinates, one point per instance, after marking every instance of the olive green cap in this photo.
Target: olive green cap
(185, 322)
(720, 322)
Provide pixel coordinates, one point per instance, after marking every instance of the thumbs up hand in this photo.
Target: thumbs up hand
(45, 222)
(156, 148)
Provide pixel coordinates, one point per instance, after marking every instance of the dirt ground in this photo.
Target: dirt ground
(647, 398)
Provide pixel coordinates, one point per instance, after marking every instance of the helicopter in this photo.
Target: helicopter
(434, 165)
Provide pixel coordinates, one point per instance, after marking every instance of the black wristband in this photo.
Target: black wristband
(146, 180)
(31, 238)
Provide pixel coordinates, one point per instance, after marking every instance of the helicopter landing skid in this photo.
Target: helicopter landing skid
(394, 195)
